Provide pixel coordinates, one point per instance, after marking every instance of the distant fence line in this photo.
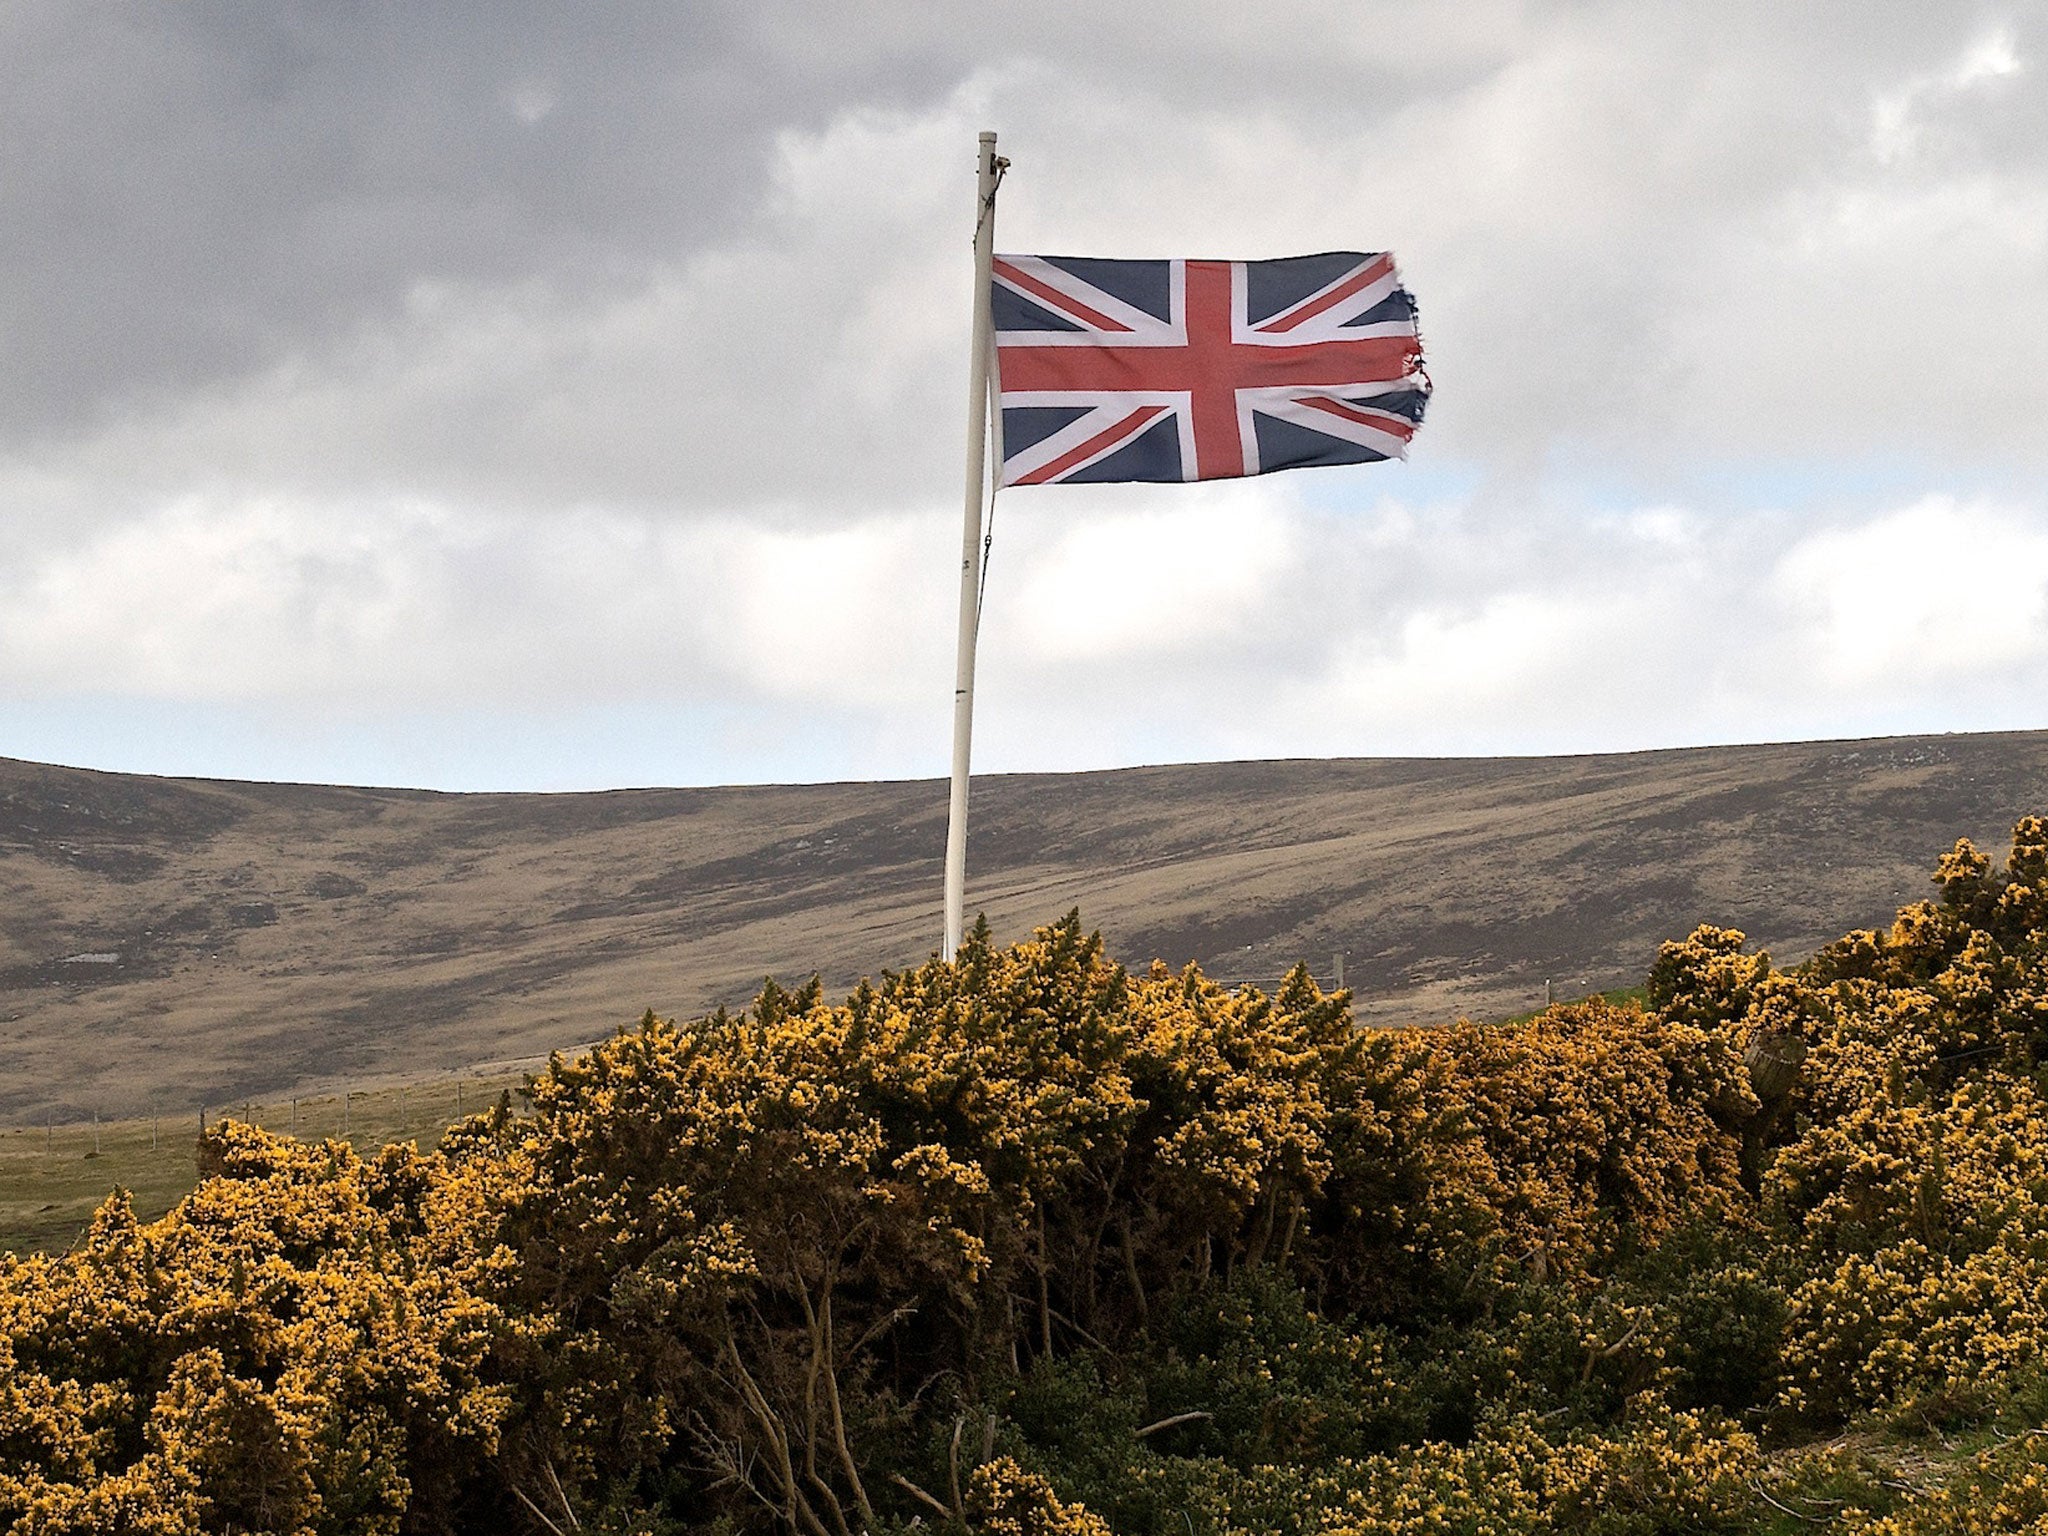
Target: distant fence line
(419, 1103)
(1268, 984)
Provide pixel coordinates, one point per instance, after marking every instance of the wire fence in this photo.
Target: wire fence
(54, 1175)
(379, 1112)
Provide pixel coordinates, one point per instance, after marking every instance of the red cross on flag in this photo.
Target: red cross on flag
(1202, 370)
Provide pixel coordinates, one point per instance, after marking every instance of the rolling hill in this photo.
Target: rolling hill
(166, 943)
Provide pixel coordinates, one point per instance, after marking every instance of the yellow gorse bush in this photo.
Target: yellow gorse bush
(1597, 1122)
(1912, 1176)
(1029, 1243)
(294, 1349)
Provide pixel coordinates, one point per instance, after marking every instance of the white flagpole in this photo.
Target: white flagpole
(970, 541)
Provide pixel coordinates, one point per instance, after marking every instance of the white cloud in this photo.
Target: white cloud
(1499, 660)
(1899, 115)
(1929, 593)
(1124, 585)
(1441, 632)
(369, 607)
(623, 367)
(808, 359)
(530, 100)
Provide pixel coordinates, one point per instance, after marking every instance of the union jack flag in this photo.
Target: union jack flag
(1202, 370)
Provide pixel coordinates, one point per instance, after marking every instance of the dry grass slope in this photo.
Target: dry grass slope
(167, 943)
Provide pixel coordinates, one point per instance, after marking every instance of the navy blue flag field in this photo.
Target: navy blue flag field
(1202, 370)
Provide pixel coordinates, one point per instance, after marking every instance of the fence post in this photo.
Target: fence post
(95, 1133)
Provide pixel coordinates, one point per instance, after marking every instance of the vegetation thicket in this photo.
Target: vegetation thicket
(1029, 1244)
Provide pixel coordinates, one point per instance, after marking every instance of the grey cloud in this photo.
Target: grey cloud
(526, 290)
(210, 205)
(193, 193)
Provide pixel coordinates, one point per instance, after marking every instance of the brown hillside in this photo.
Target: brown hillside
(174, 942)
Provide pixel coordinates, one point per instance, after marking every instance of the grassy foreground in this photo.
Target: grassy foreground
(53, 1177)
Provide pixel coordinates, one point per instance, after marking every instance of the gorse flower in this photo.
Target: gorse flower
(1032, 1244)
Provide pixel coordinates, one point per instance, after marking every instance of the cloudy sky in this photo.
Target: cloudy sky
(554, 396)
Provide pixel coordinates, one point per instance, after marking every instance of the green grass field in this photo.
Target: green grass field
(52, 1178)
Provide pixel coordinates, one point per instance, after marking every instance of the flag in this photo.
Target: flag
(1202, 370)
